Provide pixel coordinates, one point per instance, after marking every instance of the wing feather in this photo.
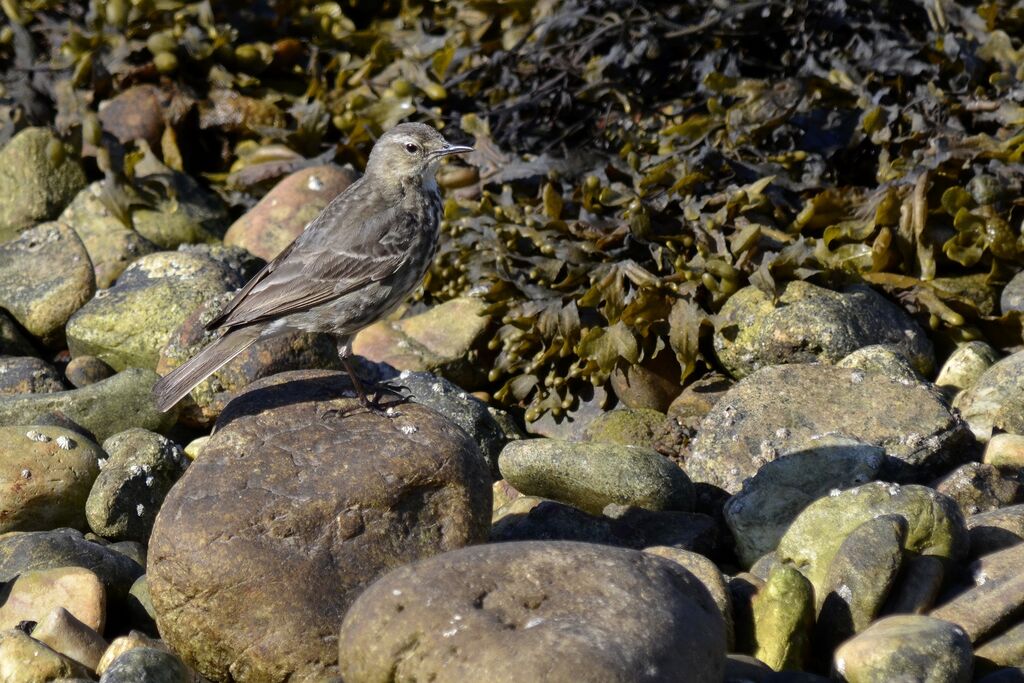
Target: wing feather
(333, 257)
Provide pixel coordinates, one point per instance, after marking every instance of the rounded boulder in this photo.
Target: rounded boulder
(298, 501)
(532, 611)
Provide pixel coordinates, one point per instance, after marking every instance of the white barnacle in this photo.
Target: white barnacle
(534, 621)
(436, 387)
(314, 183)
(149, 481)
(139, 509)
(37, 436)
(65, 443)
(450, 632)
(26, 473)
(408, 429)
(857, 376)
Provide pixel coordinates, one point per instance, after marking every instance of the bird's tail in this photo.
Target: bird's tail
(173, 386)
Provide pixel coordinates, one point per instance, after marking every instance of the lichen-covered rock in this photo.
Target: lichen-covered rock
(859, 579)
(131, 322)
(39, 175)
(111, 243)
(783, 613)
(761, 512)
(906, 648)
(627, 427)
(977, 487)
(28, 375)
(884, 358)
(300, 488)
(440, 340)
(535, 611)
(45, 476)
(141, 468)
(283, 213)
(807, 323)
(935, 526)
(104, 409)
(45, 276)
(784, 406)
(593, 475)
(994, 400)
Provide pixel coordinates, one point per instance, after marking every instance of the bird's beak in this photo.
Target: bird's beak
(450, 149)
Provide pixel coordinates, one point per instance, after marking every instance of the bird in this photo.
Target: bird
(351, 266)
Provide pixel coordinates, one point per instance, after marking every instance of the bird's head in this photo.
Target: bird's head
(410, 151)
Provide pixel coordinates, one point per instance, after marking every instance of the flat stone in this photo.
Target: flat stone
(39, 175)
(104, 409)
(283, 213)
(287, 492)
(859, 579)
(45, 276)
(441, 340)
(993, 401)
(133, 320)
(111, 243)
(45, 477)
(1006, 649)
(965, 365)
(996, 529)
(25, 660)
(807, 324)
(977, 487)
(141, 468)
(591, 476)
(63, 548)
(498, 612)
(783, 613)
(996, 600)
(906, 648)
(761, 512)
(936, 526)
(782, 407)
(35, 593)
(71, 637)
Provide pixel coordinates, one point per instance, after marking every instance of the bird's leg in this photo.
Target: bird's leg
(374, 404)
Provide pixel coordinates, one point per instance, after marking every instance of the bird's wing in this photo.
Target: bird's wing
(327, 261)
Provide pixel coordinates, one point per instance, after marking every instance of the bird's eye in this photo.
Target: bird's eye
(411, 148)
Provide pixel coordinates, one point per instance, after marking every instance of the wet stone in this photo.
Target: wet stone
(85, 370)
(28, 375)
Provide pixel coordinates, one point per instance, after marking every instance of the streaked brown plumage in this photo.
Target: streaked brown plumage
(351, 266)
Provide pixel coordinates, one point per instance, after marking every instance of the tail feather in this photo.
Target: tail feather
(173, 386)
